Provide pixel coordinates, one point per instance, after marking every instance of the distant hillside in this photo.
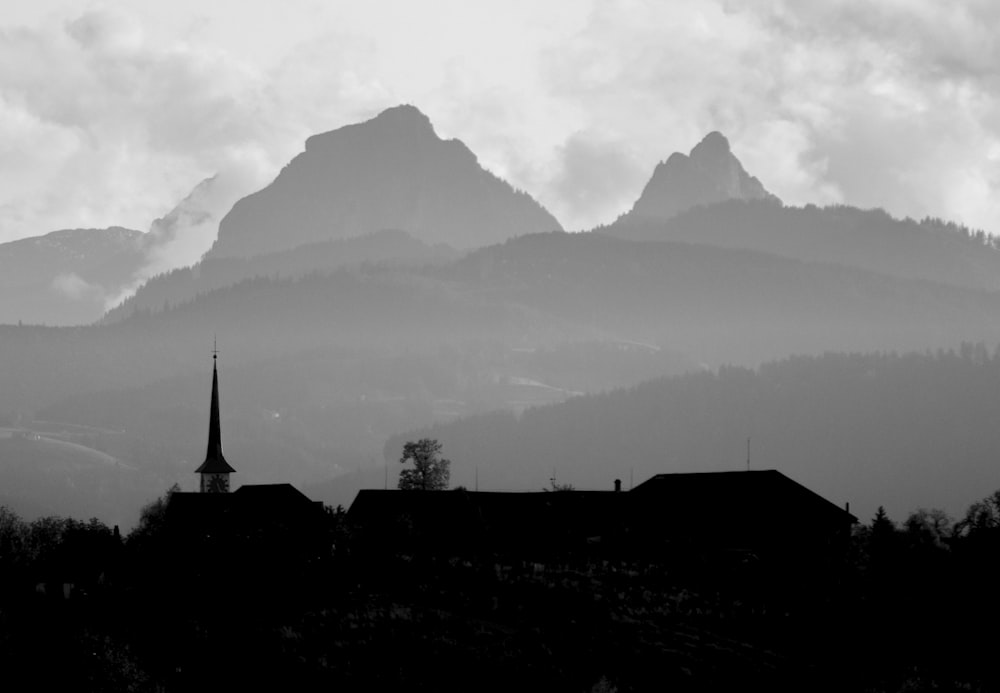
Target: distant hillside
(65, 277)
(869, 239)
(181, 285)
(709, 174)
(43, 475)
(723, 305)
(904, 431)
(713, 305)
(391, 172)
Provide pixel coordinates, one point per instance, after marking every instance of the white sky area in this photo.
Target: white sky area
(111, 113)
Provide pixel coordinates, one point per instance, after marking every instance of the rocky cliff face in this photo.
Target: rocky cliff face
(391, 172)
(709, 174)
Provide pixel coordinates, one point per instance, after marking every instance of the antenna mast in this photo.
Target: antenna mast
(748, 453)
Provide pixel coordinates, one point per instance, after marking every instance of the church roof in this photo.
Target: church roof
(215, 462)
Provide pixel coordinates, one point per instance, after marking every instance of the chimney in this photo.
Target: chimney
(618, 485)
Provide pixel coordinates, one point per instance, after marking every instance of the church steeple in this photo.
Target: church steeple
(214, 470)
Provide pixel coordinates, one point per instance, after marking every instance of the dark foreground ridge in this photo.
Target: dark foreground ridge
(226, 591)
(689, 582)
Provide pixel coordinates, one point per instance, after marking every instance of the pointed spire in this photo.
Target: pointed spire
(215, 462)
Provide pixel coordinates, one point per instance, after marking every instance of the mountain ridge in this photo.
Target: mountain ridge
(389, 172)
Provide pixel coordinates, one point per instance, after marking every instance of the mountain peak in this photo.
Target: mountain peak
(709, 174)
(406, 115)
(400, 122)
(389, 172)
(712, 147)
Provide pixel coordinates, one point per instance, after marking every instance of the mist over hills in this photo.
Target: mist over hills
(182, 285)
(65, 277)
(326, 366)
(715, 305)
(72, 276)
(391, 172)
(724, 305)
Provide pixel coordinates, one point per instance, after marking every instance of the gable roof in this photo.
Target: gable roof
(738, 490)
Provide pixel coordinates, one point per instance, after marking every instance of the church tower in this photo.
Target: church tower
(214, 470)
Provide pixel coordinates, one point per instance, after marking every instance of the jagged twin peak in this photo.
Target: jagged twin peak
(709, 174)
(391, 172)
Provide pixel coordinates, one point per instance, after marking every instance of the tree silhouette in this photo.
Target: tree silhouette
(153, 517)
(430, 471)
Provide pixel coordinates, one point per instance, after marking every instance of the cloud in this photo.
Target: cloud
(105, 120)
(100, 128)
(596, 179)
(72, 286)
(890, 103)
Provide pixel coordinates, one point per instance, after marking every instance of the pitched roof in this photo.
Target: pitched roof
(249, 506)
(737, 489)
(215, 462)
(275, 498)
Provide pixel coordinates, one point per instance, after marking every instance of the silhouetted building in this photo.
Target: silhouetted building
(538, 525)
(761, 513)
(277, 512)
(214, 470)
(756, 515)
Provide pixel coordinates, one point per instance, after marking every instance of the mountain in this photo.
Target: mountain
(709, 174)
(391, 172)
(394, 248)
(904, 431)
(870, 239)
(186, 232)
(65, 277)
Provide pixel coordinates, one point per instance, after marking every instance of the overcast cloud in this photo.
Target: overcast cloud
(112, 115)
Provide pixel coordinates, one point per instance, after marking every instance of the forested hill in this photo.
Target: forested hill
(868, 239)
(903, 431)
(395, 248)
(724, 305)
(715, 305)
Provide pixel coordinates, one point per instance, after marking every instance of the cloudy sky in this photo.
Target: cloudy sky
(112, 112)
